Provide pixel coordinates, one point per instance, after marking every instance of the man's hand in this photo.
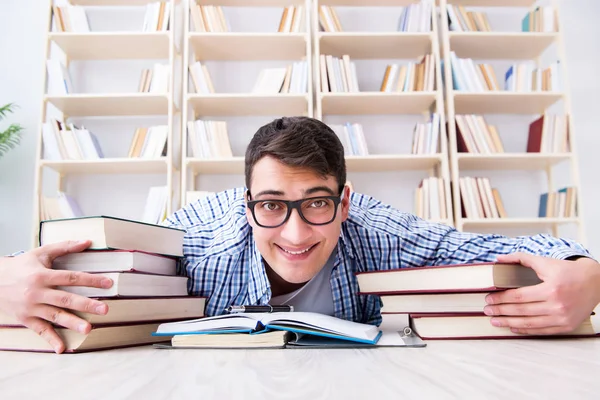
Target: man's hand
(567, 296)
(26, 291)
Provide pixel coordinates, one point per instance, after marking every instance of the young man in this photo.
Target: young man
(296, 235)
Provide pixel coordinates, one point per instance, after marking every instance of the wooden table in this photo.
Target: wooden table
(507, 369)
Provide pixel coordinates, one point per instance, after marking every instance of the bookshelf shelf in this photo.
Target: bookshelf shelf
(380, 162)
(493, 3)
(499, 102)
(376, 102)
(500, 45)
(232, 165)
(114, 2)
(248, 46)
(370, 3)
(373, 45)
(517, 222)
(108, 166)
(111, 104)
(510, 161)
(255, 3)
(113, 45)
(240, 104)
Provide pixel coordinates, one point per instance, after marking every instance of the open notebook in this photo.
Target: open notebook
(275, 330)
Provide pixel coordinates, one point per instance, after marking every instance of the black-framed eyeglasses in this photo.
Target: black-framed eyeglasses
(271, 213)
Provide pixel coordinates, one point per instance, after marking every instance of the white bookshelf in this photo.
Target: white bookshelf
(550, 169)
(234, 59)
(113, 110)
(371, 38)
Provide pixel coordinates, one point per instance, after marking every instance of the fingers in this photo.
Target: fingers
(519, 309)
(71, 301)
(58, 316)
(526, 294)
(528, 260)
(76, 278)
(525, 323)
(45, 330)
(49, 252)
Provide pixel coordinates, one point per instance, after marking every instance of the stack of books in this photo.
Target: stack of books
(447, 302)
(141, 259)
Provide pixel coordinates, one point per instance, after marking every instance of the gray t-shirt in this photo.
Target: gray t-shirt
(315, 295)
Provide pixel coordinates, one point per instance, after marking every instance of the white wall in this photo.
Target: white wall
(21, 82)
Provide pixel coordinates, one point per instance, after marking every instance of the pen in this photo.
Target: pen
(259, 309)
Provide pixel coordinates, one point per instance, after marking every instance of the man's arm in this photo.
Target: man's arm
(434, 244)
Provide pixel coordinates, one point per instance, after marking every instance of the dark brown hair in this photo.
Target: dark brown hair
(298, 142)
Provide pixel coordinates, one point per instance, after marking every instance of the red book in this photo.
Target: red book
(481, 277)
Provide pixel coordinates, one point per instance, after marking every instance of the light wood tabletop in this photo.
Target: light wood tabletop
(519, 369)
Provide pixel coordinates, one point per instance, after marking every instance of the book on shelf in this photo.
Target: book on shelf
(352, 137)
(59, 78)
(479, 200)
(278, 330)
(155, 80)
(201, 79)
(549, 134)
(461, 20)
(69, 18)
(208, 139)
(426, 136)
(337, 74)
(472, 77)
(540, 19)
(560, 203)
(292, 19)
(475, 277)
(149, 142)
(475, 135)
(157, 17)
(290, 79)
(412, 77)
(416, 17)
(59, 207)
(155, 209)
(430, 199)
(528, 77)
(208, 18)
(328, 19)
(107, 232)
(69, 142)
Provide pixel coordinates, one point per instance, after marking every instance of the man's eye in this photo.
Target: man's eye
(318, 203)
(270, 206)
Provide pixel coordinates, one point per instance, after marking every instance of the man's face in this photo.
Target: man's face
(296, 250)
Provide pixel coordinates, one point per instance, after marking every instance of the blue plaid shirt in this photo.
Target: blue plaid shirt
(224, 264)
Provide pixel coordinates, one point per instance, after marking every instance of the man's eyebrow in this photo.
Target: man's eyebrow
(319, 189)
(269, 192)
(307, 192)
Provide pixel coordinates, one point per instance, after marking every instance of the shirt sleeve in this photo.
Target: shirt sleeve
(436, 244)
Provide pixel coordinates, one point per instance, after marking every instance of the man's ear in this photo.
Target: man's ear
(248, 212)
(345, 202)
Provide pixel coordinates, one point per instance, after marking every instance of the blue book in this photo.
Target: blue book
(281, 329)
(543, 208)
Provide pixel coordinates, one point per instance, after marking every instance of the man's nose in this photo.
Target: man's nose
(295, 230)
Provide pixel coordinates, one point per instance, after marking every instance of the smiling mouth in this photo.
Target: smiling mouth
(297, 253)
